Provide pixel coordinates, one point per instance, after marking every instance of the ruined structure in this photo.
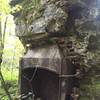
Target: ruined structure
(61, 39)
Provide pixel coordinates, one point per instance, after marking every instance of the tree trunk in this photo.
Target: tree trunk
(2, 40)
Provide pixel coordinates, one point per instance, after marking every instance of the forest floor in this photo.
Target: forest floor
(11, 80)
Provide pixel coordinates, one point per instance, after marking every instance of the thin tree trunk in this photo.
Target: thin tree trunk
(2, 40)
(4, 86)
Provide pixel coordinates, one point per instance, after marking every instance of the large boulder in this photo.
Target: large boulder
(35, 23)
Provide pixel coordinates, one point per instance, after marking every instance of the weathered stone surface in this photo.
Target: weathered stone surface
(53, 17)
(51, 13)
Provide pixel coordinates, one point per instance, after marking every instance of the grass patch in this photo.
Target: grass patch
(11, 80)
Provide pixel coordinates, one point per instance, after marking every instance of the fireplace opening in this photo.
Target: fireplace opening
(42, 82)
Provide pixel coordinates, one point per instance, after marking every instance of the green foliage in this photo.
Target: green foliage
(28, 10)
(11, 84)
(16, 9)
(4, 7)
(12, 52)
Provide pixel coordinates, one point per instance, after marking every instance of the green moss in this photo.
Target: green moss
(85, 98)
(31, 9)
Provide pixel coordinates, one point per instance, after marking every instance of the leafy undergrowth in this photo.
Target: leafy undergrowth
(91, 91)
(11, 80)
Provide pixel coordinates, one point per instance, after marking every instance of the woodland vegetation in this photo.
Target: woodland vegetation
(10, 51)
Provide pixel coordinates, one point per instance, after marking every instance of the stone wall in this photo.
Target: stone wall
(40, 22)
